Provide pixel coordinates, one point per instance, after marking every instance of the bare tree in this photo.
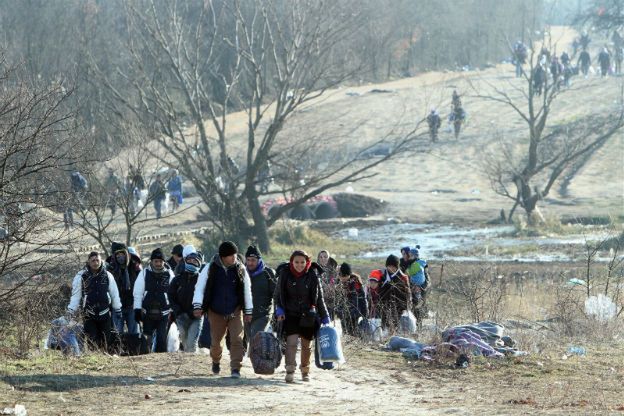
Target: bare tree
(526, 173)
(38, 143)
(270, 59)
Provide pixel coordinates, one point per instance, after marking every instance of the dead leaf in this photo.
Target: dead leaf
(528, 400)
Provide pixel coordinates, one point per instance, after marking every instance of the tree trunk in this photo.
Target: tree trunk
(260, 230)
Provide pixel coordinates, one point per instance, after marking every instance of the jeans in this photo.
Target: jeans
(189, 331)
(156, 329)
(158, 207)
(127, 317)
(518, 70)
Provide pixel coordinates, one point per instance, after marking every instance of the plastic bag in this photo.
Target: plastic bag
(371, 328)
(329, 345)
(173, 338)
(407, 322)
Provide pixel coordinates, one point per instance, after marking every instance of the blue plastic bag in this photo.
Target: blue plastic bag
(328, 343)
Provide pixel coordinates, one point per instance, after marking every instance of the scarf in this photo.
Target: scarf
(258, 270)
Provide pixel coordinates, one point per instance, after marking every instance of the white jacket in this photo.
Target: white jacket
(200, 288)
(77, 300)
(139, 288)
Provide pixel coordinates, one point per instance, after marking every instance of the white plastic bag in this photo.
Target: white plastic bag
(407, 322)
(173, 338)
(601, 306)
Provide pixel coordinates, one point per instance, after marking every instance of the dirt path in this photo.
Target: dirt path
(372, 382)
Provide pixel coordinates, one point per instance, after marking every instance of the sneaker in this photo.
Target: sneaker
(305, 376)
(216, 368)
(290, 377)
(235, 374)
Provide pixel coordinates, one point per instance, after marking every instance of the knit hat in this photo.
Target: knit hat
(178, 250)
(414, 252)
(115, 247)
(376, 275)
(227, 248)
(392, 260)
(252, 251)
(157, 254)
(345, 269)
(188, 250)
(405, 249)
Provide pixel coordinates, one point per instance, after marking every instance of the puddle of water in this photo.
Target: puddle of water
(437, 240)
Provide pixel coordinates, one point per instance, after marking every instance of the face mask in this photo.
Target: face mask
(121, 259)
(191, 268)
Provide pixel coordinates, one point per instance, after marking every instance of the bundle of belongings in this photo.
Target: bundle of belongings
(65, 336)
(460, 342)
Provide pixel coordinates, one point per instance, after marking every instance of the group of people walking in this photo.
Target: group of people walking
(456, 117)
(235, 297)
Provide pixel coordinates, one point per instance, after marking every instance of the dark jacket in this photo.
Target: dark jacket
(297, 295)
(352, 298)
(125, 276)
(394, 293)
(263, 283)
(181, 291)
(225, 289)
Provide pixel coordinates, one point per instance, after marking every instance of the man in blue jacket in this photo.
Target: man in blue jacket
(223, 291)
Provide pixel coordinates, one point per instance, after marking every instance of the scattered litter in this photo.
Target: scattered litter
(579, 282)
(149, 379)
(352, 94)
(540, 364)
(475, 191)
(601, 306)
(18, 410)
(349, 189)
(148, 396)
(577, 350)
(184, 391)
(352, 232)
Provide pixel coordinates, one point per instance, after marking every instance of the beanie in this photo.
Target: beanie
(345, 269)
(115, 247)
(227, 248)
(376, 275)
(177, 250)
(392, 260)
(405, 249)
(252, 251)
(188, 250)
(157, 254)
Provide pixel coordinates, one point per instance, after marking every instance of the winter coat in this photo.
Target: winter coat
(125, 275)
(94, 292)
(222, 289)
(394, 293)
(352, 298)
(296, 295)
(263, 283)
(181, 291)
(151, 288)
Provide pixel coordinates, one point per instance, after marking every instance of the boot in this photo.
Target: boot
(290, 374)
(305, 374)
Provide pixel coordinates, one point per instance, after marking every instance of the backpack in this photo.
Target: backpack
(265, 353)
(95, 294)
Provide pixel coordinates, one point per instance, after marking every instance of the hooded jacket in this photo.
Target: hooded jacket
(125, 276)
